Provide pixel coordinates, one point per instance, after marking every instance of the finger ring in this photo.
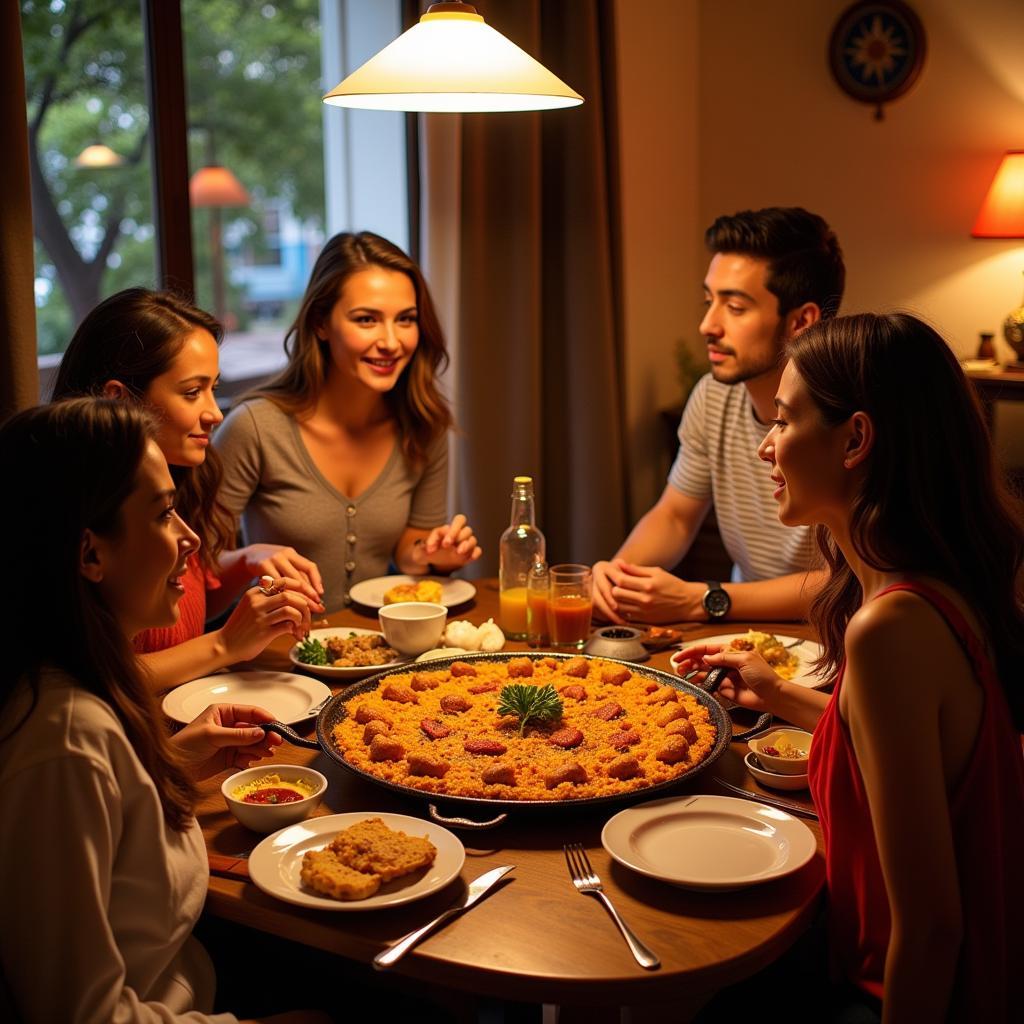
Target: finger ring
(267, 587)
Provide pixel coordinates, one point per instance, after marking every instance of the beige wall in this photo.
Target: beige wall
(750, 116)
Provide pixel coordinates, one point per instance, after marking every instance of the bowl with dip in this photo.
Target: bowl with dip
(783, 751)
(265, 799)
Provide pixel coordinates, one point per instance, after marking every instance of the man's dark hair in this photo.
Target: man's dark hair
(805, 263)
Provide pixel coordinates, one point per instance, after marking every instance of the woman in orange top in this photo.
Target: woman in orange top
(156, 349)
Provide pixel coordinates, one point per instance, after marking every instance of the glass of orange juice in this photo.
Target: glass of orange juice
(570, 602)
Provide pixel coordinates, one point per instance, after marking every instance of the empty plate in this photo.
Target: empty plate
(709, 842)
(288, 697)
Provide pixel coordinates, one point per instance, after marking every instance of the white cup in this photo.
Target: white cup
(412, 627)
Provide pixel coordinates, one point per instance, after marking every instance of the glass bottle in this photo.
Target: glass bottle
(521, 545)
(537, 632)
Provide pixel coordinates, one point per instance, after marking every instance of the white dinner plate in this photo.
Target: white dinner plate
(275, 864)
(709, 842)
(288, 697)
(807, 651)
(370, 593)
(347, 672)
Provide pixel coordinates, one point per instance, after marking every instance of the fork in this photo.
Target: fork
(588, 883)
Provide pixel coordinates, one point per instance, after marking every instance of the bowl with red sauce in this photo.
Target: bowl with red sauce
(269, 797)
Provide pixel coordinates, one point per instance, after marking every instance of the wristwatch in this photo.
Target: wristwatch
(716, 601)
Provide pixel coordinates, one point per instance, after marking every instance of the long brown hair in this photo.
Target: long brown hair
(933, 501)
(133, 337)
(75, 462)
(415, 401)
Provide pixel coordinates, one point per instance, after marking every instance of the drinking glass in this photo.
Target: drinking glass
(570, 603)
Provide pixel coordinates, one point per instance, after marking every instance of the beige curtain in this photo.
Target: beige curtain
(536, 382)
(19, 374)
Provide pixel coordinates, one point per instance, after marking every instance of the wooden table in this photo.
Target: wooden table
(996, 385)
(535, 939)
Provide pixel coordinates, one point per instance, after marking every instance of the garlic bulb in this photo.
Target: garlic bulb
(491, 636)
(462, 634)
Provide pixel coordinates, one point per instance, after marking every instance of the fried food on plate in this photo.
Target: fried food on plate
(326, 873)
(372, 847)
(422, 590)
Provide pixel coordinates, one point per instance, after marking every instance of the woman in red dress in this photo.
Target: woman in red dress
(916, 766)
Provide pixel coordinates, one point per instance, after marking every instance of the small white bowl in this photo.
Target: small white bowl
(271, 817)
(783, 765)
(412, 627)
(773, 779)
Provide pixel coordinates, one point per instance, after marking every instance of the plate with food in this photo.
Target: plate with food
(709, 842)
(384, 590)
(344, 652)
(790, 656)
(356, 861)
(290, 698)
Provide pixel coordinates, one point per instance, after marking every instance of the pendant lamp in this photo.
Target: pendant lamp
(452, 61)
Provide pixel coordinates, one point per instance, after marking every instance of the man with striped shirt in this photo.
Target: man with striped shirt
(773, 273)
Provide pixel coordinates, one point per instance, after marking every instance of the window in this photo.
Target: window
(88, 126)
(254, 74)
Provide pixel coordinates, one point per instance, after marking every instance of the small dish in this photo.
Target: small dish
(412, 627)
(622, 642)
(370, 593)
(774, 780)
(345, 672)
(778, 740)
(270, 817)
(441, 652)
(657, 638)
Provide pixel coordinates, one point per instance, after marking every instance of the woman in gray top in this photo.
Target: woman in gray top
(344, 455)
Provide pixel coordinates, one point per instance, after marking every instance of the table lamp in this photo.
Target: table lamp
(1002, 216)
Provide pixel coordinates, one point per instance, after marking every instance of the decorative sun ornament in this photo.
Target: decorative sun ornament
(876, 51)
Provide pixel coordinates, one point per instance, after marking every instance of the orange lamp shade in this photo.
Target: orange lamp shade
(216, 186)
(1002, 212)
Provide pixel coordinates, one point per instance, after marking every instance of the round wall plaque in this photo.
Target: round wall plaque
(876, 51)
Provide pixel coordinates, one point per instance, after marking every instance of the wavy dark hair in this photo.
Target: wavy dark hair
(416, 403)
(805, 263)
(934, 501)
(76, 462)
(133, 337)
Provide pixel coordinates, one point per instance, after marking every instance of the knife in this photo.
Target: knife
(477, 888)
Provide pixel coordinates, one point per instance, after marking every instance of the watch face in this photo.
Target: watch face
(716, 602)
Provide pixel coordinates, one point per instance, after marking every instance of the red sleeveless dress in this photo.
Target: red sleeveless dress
(987, 815)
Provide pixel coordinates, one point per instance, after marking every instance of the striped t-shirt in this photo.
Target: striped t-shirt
(718, 440)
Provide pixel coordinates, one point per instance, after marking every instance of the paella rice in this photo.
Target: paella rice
(770, 648)
(439, 731)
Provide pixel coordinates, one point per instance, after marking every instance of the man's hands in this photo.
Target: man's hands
(625, 592)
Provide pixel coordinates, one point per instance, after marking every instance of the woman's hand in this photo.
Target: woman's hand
(225, 736)
(278, 561)
(447, 547)
(259, 618)
(751, 682)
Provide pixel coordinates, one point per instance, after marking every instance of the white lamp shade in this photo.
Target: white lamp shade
(452, 62)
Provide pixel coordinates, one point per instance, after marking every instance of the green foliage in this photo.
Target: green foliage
(530, 702)
(253, 83)
(311, 652)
